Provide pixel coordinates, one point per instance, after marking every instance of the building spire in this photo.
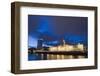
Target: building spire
(64, 43)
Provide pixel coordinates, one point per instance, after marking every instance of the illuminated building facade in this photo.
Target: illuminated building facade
(67, 47)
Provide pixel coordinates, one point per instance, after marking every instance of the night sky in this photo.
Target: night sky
(53, 29)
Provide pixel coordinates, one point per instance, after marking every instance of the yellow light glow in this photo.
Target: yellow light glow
(53, 48)
(66, 47)
(61, 48)
(80, 47)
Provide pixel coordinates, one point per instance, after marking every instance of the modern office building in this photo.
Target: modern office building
(40, 44)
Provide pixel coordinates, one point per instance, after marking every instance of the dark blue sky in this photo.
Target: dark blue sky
(52, 29)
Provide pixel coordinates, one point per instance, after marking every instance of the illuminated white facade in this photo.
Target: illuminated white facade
(67, 47)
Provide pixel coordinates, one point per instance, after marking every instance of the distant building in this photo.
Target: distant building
(67, 47)
(62, 42)
(80, 46)
(40, 44)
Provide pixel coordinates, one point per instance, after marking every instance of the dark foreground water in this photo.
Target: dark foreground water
(33, 57)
